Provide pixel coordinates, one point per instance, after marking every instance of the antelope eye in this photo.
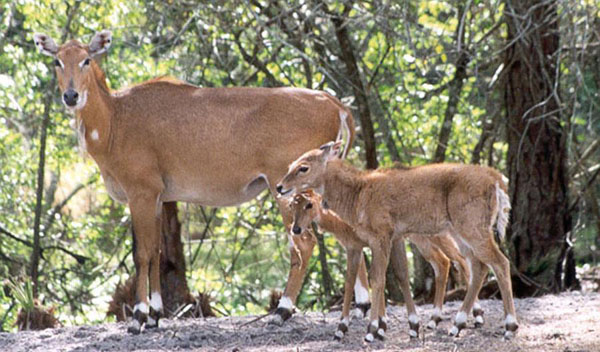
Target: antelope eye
(86, 62)
(303, 169)
(57, 63)
(308, 206)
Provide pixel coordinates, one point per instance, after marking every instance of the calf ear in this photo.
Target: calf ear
(45, 44)
(100, 43)
(331, 150)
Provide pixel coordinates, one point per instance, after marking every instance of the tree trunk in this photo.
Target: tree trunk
(173, 284)
(36, 250)
(537, 153)
(349, 59)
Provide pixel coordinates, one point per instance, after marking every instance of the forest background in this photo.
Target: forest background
(510, 84)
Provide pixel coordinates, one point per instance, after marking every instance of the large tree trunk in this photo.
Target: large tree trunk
(536, 148)
(349, 59)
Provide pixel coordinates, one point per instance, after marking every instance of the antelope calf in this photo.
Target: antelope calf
(165, 140)
(307, 207)
(384, 205)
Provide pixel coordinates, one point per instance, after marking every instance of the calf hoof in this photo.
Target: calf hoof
(455, 331)
(413, 326)
(478, 315)
(342, 329)
(380, 333)
(433, 322)
(510, 327)
(280, 316)
(479, 321)
(373, 331)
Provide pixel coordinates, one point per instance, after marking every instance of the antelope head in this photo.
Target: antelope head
(73, 64)
(305, 208)
(307, 171)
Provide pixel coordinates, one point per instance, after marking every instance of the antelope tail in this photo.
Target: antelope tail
(346, 127)
(503, 204)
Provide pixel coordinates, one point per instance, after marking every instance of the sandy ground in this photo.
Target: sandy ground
(568, 322)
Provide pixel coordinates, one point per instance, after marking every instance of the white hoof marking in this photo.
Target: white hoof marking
(454, 331)
(156, 301)
(432, 325)
(285, 302)
(461, 318)
(339, 334)
(142, 307)
(369, 337)
(381, 333)
(479, 319)
(413, 333)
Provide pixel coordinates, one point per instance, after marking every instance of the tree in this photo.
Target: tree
(537, 154)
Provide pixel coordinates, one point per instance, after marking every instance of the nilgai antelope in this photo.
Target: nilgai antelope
(165, 140)
(438, 251)
(384, 205)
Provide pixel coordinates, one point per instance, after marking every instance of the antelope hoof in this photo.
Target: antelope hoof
(153, 319)
(342, 329)
(138, 323)
(508, 335)
(280, 316)
(369, 338)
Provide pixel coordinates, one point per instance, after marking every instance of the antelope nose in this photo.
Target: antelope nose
(279, 188)
(296, 229)
(70, 97)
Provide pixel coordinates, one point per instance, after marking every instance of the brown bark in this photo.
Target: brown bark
(536, 147)
(347, 55)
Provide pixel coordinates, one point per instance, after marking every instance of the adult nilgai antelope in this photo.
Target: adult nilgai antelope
(462, 200)
(164, 140)
(307, 207)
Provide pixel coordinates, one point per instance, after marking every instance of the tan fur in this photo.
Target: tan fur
(165, 140)
(383, 205)
(438, 250)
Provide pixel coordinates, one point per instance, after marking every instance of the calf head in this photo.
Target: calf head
(308, 170)
(305, 208)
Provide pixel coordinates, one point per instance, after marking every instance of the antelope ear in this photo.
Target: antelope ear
(100, 43)
(45, 44)
(331, 150)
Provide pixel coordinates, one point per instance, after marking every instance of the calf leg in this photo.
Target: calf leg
(352, 264)
(381, 254)
(493, 257)
(361, 289)
(400, 265)
(478, 275)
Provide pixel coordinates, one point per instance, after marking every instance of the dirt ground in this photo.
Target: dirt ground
(567, 322)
